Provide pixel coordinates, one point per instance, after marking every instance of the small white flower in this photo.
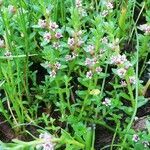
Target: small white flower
(47, 36)
(47, 142)
(107, 102)
(57, 65)
(132, 80)
(98, 70)
(53, 26)
(146, 144)
(123, 83)
(145, 28)
(135, 138)
(56, 45)
(78, 3)
(89, 62)
(109, 5)
(71, 42)
(42, 23)
(90, 48)
(2, 44)
(8, 54)
(68, 57)
(127, 65)
(74, 55)
(104, 40)
(121, 72)
(89, 74)
(80, 42)
(118, 59)
(11, 9)
(53, 74)
(104, 13)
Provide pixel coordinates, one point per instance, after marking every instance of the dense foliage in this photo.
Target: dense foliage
(70, 67)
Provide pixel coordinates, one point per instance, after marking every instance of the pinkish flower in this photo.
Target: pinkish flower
(118, 59)
(47, 36)
(53, 26)
(47, 142)
(135, 138)
(89, 74)
(71, 42)
(132, 79)
(107, 102)
(98, 70)
(145, 28)
(68, 57)
(57, 65)
(121, 72)
(58, 35)
(42, 23)
(78, 3)
(89, 62)
(123, 83)
(53, 73)
(105, 40)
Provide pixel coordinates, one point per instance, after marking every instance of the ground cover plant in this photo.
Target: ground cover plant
(74, 74)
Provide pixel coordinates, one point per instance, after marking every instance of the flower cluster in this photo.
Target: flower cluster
(71, 57)
(122, 63)
(53, 34)
(145, 28)
(108, 8)
(47, 142)
(75, 41)
(135, 138)
(52, 67)
(78, 4)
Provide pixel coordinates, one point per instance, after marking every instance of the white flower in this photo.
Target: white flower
(132, 80)
(68, 57)
(56, 45)
(8, 54)
(123, 83)
(145, 28)
(42, 23)
(2, 43)
(11, 9)
(89, 62)
(107, 102)
(89, 74)
(71, 41)
(104, 13)
(78, 3)
(98, 70)
(53, 74)
(135, 138)
(53, 26)
(118, 59)
(109, 5)
(47, 142)
(57, 65)
(90, 48)
(47, 36)
(146, 144)
(121, 72)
